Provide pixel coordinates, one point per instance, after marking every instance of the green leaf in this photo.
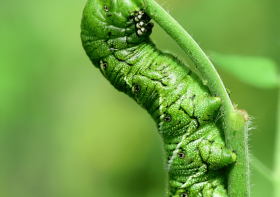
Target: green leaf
(260, 72)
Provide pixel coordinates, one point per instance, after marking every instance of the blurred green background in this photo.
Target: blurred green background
(65, 131)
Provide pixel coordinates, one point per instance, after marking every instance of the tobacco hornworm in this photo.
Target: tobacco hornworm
(115, 35)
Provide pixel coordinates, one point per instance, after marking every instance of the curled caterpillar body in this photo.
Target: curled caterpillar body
(116, 39)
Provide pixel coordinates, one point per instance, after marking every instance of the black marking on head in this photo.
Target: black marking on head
(137, 88)
(167, 118)
(181, 155)
(142, 23)
(192, 97)
(105, 8)
(234, 151)
(212, 141)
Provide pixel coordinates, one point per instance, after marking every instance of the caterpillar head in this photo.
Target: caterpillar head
(110, 25)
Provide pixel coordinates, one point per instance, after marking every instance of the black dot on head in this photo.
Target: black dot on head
(184, 195)
(137, 88)
(167, 118)
(105, 66)
(181, 155)
(105, 8)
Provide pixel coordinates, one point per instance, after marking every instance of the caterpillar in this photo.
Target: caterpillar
(115, 35)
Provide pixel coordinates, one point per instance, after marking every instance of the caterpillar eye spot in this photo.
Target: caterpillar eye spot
(139, 16)
(136, 19)
(105, 66)
(140, 12)
(181, 155)
(138, 25)
(137, 88)
(142, 29)
(105, 8)
(184, 195)
(167, 118)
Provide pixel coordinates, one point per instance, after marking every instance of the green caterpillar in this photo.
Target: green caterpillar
(115, 35)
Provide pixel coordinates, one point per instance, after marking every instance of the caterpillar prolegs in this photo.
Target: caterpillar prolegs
(115, 35)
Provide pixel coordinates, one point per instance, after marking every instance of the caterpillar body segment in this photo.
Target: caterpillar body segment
(115, 35)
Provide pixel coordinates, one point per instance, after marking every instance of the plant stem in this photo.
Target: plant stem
(234, 124)
(276, 165)
(186, 42)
